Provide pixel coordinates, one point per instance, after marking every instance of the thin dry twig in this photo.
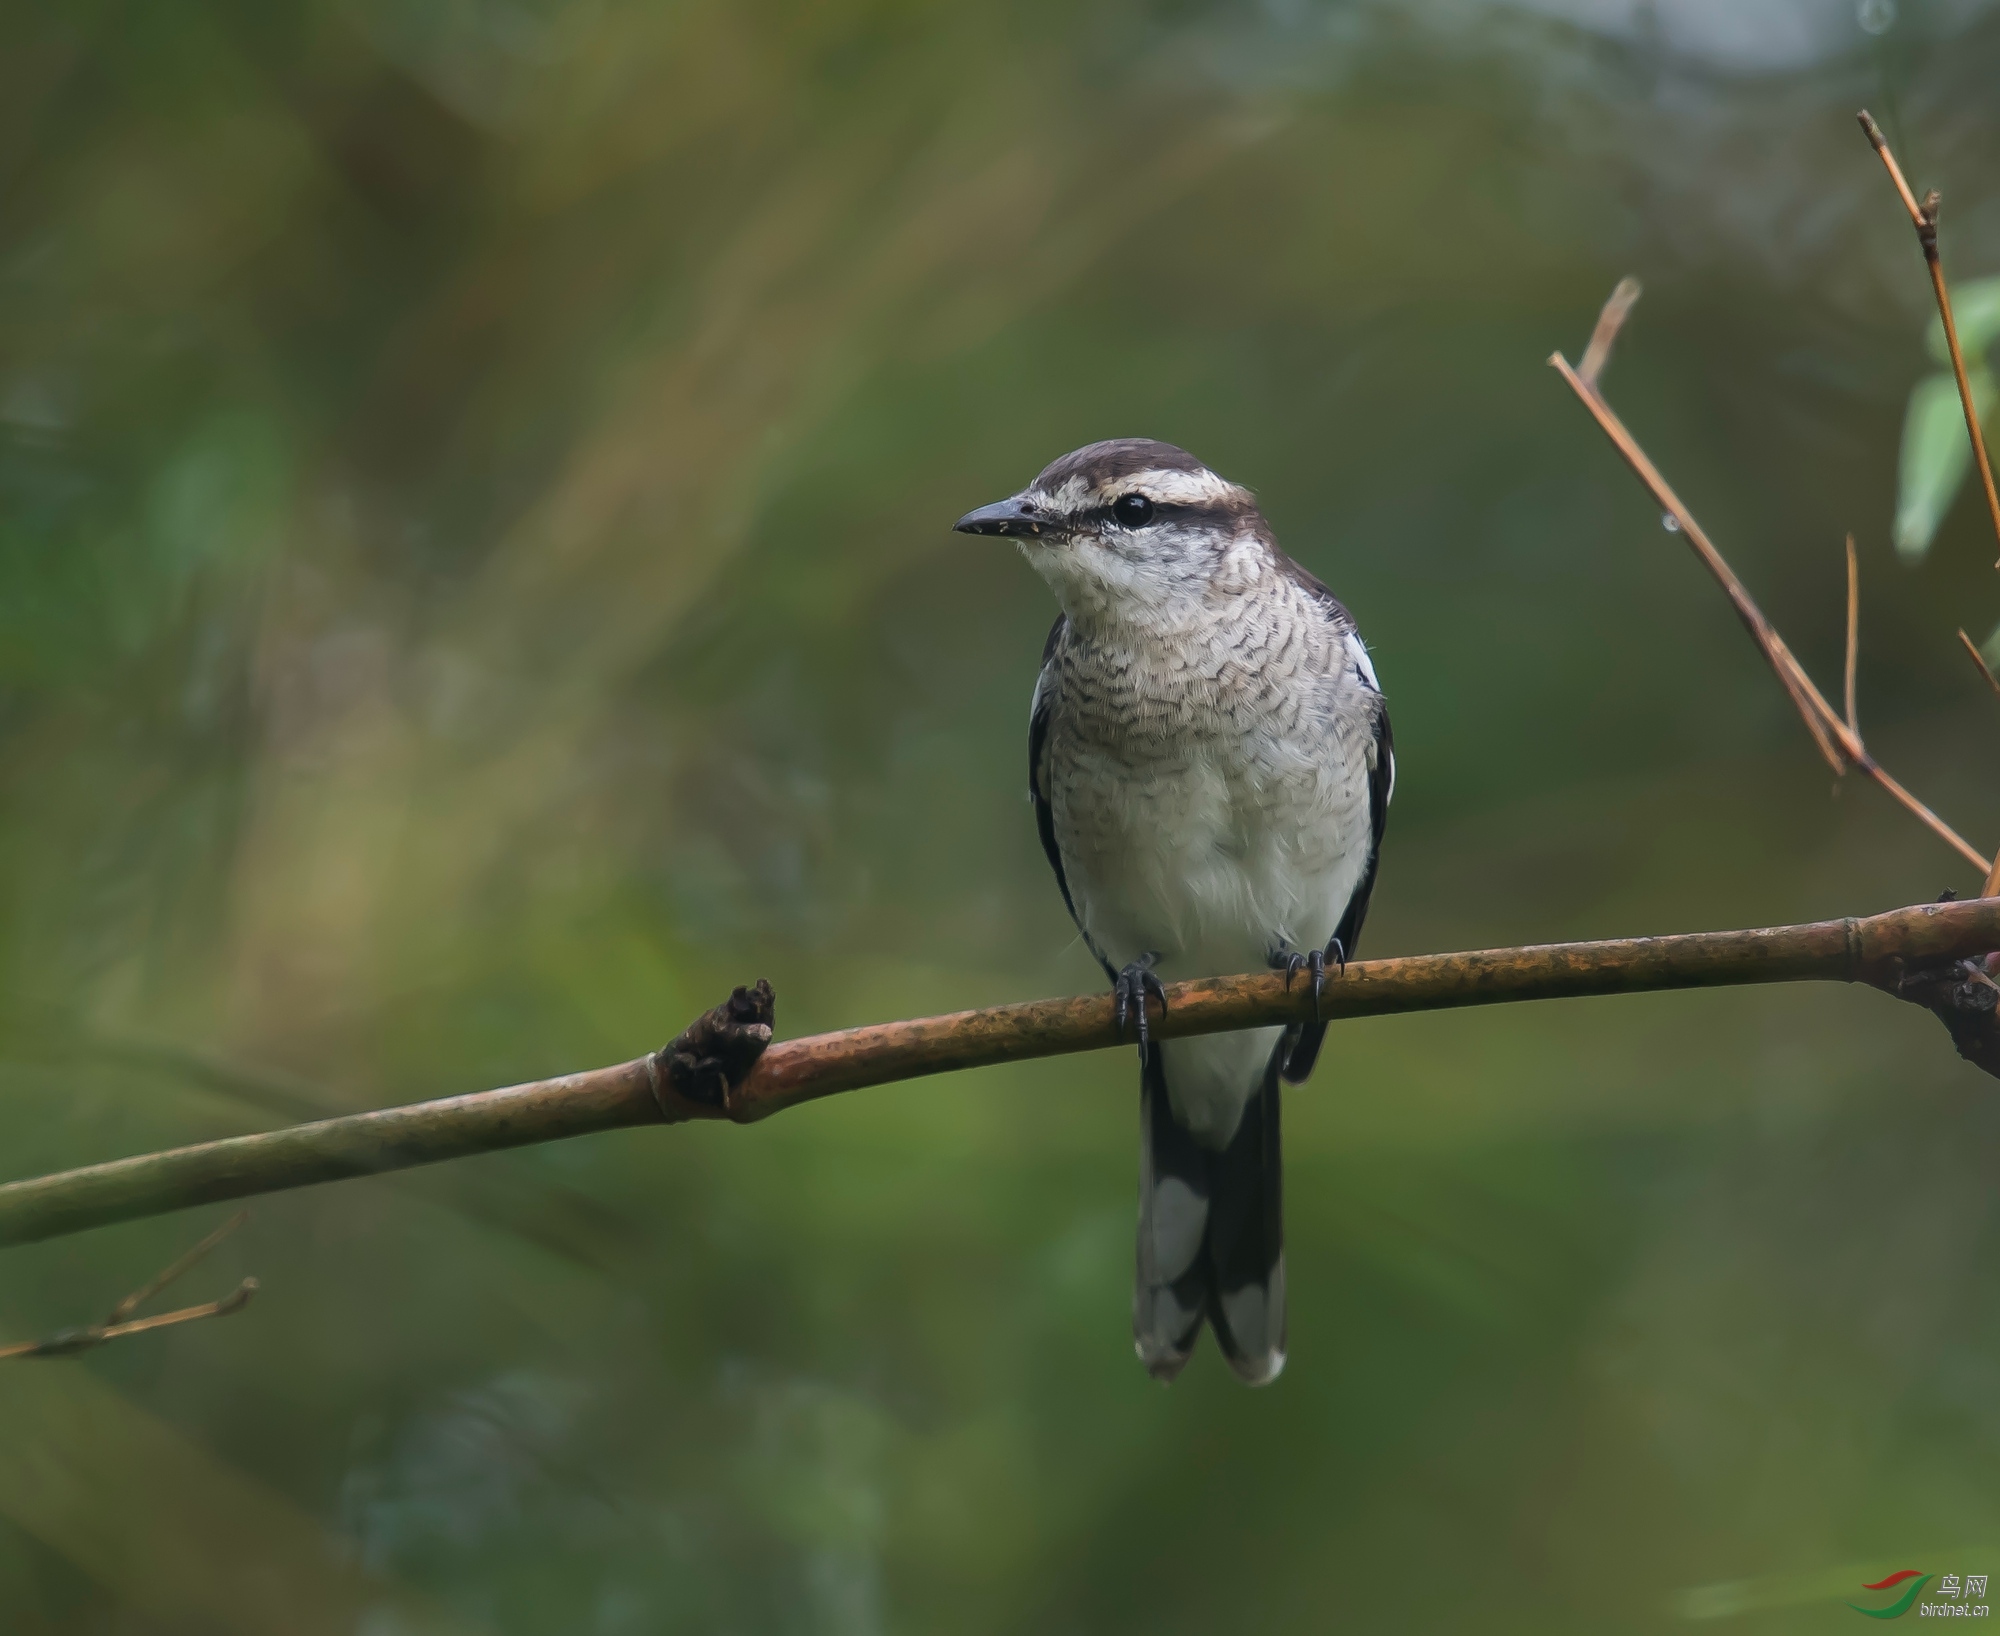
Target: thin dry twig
(1584, 380)
(1853, 633)
(1924, 218)
(140, 1296)
(1992, 885)
(1881, 145)
(121, 1323)
(1609, 322)
(1979, 659)
(1834, 736)
(1813, 710)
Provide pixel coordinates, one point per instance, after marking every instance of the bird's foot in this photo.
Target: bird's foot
(1291, 963)
(1129, 991)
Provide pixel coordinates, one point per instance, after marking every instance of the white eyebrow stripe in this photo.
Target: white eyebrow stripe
(1180, 488)
(1162, 484)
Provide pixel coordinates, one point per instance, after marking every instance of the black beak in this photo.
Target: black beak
(1011, 517)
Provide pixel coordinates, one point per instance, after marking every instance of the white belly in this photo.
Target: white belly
(1211, 868)
(1212, 865)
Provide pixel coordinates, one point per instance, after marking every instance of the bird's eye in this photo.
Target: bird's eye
(1133, 510)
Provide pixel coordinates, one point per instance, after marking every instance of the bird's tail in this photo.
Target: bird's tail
(1211, 1234)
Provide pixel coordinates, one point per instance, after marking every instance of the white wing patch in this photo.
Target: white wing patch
(1363, 666)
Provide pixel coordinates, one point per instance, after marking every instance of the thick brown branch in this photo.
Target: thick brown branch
(1924, 218)
(1884, 950)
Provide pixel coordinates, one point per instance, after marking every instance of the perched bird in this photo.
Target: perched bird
(1210, 764)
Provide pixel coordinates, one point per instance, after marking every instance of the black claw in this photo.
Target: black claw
(1129, 990)
(1317, 961)
(1293, 964)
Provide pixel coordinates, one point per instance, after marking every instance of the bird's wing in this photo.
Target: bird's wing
(1352, 654)
(1038, 764)
(1381, 785)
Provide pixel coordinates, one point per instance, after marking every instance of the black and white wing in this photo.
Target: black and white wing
(1381, 787)
(1353, 656)
(1038, 764)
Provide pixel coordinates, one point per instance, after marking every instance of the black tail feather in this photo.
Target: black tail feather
(1170, 1286)
(1211, 1234)
(1246, 1237)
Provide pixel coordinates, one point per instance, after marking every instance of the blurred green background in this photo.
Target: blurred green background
(475, 583)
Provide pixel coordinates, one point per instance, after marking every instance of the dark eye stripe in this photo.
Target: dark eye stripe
(1164, 511)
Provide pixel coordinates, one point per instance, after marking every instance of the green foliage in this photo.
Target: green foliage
(475, 583)
(1937, 454)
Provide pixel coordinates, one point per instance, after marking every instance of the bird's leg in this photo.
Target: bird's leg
(1129, 990)
(1291, 963)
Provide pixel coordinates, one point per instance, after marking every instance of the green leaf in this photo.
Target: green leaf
(1936, 456)
(1975, 308)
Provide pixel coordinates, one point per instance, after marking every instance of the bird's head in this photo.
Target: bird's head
(1130, 529)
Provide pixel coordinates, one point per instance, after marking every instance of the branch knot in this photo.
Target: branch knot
(693, 1075)
(1964, 997)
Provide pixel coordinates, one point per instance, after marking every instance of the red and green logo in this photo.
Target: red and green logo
(1901, 1606)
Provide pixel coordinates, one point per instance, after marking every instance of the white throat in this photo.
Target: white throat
(1149, 591)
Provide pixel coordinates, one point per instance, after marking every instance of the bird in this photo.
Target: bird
(1210, 765)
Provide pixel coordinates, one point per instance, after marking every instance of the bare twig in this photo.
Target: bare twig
(1609, 322)
(1887, 951)
(1992, 883)
(1979, 659)
(1853, 634)
(1829, 730)
(68, 1342)
(1881, 145)
(71, 1341)
(139, 1297)
(1813, 710)
(1924, 218)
